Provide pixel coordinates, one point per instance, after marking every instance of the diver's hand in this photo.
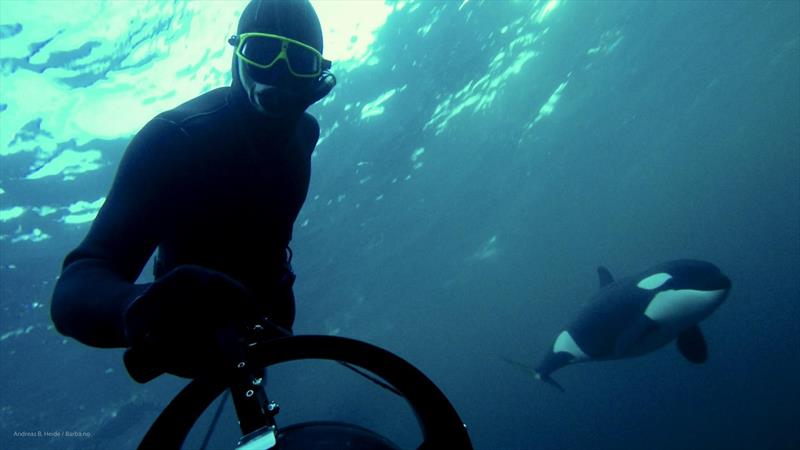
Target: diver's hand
(175, 326)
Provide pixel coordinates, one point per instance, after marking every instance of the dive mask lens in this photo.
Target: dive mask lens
(263, 50)
(303, 61)
(260, 50)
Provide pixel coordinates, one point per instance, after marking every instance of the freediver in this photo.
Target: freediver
(214, 185)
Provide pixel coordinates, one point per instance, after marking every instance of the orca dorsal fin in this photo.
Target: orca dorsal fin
(604, 276)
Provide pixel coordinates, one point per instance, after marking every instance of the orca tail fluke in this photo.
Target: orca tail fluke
(534, 373)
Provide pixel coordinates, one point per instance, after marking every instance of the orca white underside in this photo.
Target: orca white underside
(675, 311)
(684, 307)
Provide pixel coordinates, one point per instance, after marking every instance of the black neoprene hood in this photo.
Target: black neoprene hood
(295, 19)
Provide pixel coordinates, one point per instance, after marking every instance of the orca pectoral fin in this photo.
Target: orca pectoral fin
(633, 334)
(533, 372)
(692, 345)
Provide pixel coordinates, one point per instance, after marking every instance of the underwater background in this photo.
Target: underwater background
(477, 162)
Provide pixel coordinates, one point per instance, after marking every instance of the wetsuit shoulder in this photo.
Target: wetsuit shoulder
(307, 133)
(201, 112)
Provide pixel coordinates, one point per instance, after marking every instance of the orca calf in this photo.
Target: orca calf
(639, 314)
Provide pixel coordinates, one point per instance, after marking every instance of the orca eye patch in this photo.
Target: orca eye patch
(654, 281)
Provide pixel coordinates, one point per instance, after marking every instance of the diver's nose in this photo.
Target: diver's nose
(280, 72)
(277, 75)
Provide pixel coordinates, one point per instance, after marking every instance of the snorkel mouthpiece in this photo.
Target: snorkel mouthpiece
(274, 101)
(271, 100)
(322, 87)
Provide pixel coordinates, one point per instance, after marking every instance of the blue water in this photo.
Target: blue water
(477, 162)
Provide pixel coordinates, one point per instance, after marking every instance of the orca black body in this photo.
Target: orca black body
(639, 314)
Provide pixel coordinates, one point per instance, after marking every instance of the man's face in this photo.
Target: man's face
(273, 92)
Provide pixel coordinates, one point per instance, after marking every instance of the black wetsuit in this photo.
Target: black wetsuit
(208, 183)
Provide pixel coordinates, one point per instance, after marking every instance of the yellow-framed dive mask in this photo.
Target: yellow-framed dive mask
(264, 50)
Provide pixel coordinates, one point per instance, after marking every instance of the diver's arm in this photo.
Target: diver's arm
(97, 281)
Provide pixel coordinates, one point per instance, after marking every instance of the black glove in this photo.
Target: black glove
(186, 323)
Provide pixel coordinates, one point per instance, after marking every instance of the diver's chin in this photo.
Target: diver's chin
(271, 102)
(267, 112)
